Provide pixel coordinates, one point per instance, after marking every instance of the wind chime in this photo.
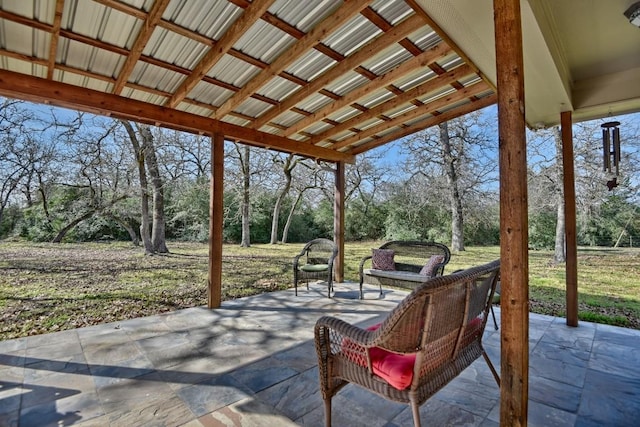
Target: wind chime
(611, 150)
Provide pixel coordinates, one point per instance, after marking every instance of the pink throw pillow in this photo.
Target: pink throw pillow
(427, 270)
(382, 259)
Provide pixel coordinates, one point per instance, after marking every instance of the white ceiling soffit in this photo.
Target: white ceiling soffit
(579, 55)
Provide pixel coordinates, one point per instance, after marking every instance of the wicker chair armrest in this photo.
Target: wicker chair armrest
(332, 327)
(296, 260)
(438, 269)
(364, 260)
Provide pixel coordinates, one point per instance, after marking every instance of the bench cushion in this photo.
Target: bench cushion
(314, 268)
(398, 275)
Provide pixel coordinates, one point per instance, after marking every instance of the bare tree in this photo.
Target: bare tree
(460, 156)
(151, 231)
(559, 252)
(145, 223)
(158, 238)
(287, 165)
(245, 164)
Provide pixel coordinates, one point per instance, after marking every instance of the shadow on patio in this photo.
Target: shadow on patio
(253, 363)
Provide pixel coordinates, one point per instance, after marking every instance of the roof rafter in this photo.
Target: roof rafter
(148, 26)
(329, 24)
(474, 105)
(429, 86)
(398, 33)
(250, 15)
(55, 37)
(429, 108)
(424, 59)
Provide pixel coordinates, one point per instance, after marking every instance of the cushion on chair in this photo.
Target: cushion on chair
(396, 369)
(382, 259)
(427, 270)
(314, 268)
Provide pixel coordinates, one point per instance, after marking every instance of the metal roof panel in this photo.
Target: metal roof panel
(42, 11)
(347, 82)
(205, 17)
(85, 57)
(387, 59)
(234, 71)
(310, 65)
(264, 41)
(314, 102)
(210, 94)
(304, 15)
(155, 77)
(175, 49)
(278, 88)
(352, 35)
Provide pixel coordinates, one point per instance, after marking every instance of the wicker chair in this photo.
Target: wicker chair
(434, 333)
(315, 261)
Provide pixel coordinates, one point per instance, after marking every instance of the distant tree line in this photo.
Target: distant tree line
(69, 176)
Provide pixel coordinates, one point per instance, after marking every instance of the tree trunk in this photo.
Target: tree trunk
(285, 232)
(559, 253)
(246, 202)
(457, 217)
(63, 232)
(158, 239)
(145, 232)
(132, 232)
(83, 217)
(287, 168)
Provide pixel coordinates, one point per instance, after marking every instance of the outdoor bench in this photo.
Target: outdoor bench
(403, 264)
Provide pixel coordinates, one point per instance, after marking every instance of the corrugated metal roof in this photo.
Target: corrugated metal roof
(304, 15)
(310, 65)
(175, 49)
(267, 76)
(352, 35)
(264, 42)
(393, 11)
(234, 71)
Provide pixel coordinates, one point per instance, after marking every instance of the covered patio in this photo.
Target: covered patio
(330, 80)
(252, 362)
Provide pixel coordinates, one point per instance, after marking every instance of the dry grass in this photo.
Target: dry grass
(49, 287)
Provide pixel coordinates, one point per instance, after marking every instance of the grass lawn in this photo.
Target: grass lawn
(48, 287)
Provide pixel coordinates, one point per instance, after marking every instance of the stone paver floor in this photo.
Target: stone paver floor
(252, 363)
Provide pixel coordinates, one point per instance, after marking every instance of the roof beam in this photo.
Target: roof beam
(148, 26)
(429, 86)
(250, 15)
(425, 124)
(394, 35)
(55, 38)
(428, 108)
(327, 26)
(35, 89)
(437, 52)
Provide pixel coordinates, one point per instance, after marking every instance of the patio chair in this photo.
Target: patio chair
(315, 261)
(423, 343)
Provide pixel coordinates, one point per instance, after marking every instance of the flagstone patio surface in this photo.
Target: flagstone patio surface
(253, 363)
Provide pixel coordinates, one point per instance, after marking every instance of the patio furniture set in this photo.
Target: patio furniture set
(399, 263)
(423, 343)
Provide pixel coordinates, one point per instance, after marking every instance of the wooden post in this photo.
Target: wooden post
(214, 292)
(514, 271)
(338, 222)
(571, 239)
